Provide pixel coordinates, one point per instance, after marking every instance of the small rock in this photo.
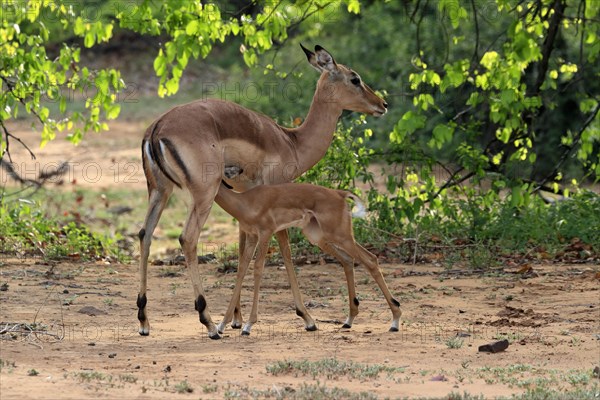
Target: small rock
(112, 355)
(596, 372)
(167, 368)
(495, 347)
(91, 311)
(438, 378)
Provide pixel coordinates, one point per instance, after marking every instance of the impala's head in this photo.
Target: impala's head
(340, 84)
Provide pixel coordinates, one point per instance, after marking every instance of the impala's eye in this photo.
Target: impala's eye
(355, 81)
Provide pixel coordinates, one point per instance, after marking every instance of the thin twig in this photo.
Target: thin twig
(475, 57)
(9, 135)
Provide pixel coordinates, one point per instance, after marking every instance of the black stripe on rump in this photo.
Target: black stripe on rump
(158, 158)
(177, 158)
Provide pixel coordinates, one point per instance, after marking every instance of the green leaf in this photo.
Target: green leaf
(192, 27)
(172, 86)
(409, 123)
(443, 134)
(489, 59)
(89, 39)
(160, 64)
(353, 6)
(113, 111)
(102, 83)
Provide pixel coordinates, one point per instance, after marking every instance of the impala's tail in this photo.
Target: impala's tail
(359, 210)
(153, 156)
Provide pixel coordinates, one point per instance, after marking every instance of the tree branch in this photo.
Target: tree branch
(475, 57)
(11, 88)
(554, 25)
(7, 136)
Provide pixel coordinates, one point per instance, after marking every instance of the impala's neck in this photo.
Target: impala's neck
(316, 132)
(231, 202)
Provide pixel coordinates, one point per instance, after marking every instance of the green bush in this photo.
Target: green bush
(486, 220)
(25, 230)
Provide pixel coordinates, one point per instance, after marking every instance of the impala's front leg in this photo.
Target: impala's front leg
(259, 266)
(352, 299)
(286, 253)
(245, 259)
(238, 320)
(348, 264)
(189, 244)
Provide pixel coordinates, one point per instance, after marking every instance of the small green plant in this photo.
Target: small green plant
(183, 387)
(210, 388)
(7, 364)
(128, 378)
(32, 372)
(454, 342)
(174, 286)
(88, 376)
(70, 300)
(331, 368)
(511, 337)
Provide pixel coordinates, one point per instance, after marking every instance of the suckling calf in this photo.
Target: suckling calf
(324, 217)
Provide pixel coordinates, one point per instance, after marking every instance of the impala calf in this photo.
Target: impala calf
(190, 146)
(326, 221)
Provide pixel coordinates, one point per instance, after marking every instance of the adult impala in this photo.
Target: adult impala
(191, 145)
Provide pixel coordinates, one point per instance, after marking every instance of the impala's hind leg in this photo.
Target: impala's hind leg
(348, 264)
(189, 244)
(369, 259)
(157, 202)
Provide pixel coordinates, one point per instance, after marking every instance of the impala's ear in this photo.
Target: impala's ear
(322, 60)
(312, 58)
(325, 60)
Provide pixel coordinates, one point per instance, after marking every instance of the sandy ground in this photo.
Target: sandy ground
(86, 344)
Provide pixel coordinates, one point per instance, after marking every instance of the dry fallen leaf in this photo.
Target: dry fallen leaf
(525, 269)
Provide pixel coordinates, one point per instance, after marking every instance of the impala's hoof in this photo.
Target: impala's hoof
(311, 328)
(393, 329)
(236, 325)
(144, 331)
(346, 326)
(245, 333)
(214, 336)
